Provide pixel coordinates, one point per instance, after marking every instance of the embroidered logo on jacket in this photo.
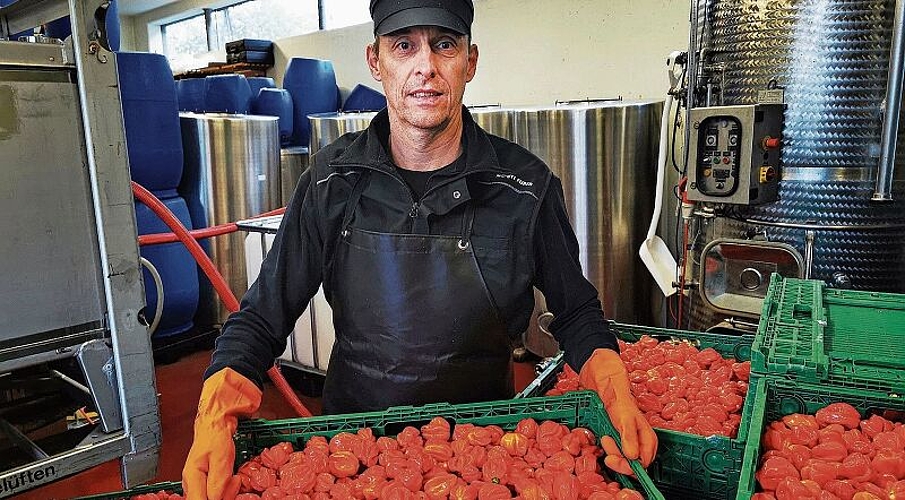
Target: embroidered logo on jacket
(512, 182)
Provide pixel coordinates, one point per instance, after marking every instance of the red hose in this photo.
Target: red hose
(226, 295)
(200, 234)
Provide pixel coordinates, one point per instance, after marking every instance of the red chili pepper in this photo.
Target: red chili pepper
(839, 413)
(515, 443)
(440, 486)
(774, 470)
(527, 427)
(343, 464)
(438, 429)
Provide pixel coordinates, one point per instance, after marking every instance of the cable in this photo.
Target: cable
(158, 311)
(222, 289)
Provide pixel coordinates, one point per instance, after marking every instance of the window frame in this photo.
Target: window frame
(207, 13)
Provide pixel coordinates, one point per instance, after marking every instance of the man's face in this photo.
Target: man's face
(424, 70)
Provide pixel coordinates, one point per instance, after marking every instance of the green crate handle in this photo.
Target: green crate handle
(173, 486)
(640, 472)
(554, 365)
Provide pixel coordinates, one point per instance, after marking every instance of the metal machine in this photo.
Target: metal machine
(791, 122)
(72, 284)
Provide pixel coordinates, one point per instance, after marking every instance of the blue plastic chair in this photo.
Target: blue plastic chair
(364, 98)
(227, 94)
(276, 102)
(151, 119)
(312, 84)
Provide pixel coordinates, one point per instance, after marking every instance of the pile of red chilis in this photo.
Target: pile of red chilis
(679, 387)
(532, 462)
(830, 455)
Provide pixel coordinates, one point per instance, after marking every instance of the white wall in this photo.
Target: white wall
(531, 51)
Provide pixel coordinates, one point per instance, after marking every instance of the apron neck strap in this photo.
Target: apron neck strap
(360, 184)
(467, 224)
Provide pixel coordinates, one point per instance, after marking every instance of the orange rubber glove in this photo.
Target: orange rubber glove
(208, 472)
(605, 373)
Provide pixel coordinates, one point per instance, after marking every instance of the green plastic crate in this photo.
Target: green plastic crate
(172, 487)
(819, 335)
(776, 398)
(579, 409)
(687, 465)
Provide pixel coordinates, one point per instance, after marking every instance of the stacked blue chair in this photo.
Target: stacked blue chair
(154, 145)
(227, 94)
(276, 102)
(364, 98)
(256, 83)
(190, 94)
(151, 118)
(177, 269)
(312, 84)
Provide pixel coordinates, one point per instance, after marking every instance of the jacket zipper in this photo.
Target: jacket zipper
(415, 209)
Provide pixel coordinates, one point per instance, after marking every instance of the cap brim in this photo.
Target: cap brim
(421, 16)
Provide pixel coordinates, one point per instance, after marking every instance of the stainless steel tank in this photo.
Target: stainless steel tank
(232, 172)
(605, 155)
(494, 119)
(831, 58)
(293, 161)
(327, 127)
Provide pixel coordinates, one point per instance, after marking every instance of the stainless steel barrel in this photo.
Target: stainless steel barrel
(327, 127)
(232, 172)
(293, 161)
(605, 155)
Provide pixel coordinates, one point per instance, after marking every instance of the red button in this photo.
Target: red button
(726, 160)
(771, 142)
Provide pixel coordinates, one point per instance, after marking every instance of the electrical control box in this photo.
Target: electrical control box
(734, 153)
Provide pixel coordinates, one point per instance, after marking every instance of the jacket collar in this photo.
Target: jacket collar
(369, 149)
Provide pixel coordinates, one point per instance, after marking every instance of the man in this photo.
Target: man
(427, 234)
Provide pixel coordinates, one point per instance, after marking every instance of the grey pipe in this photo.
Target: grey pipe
(691, 71)
(886, 165)
(808, 253)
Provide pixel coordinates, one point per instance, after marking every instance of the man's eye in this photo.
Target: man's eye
(404, 45)
(445, 45)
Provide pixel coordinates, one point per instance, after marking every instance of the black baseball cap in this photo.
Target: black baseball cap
(394, 15)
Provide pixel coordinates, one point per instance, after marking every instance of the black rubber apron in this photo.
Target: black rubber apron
(414, 321)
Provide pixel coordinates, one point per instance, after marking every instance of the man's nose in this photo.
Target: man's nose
(426, 62)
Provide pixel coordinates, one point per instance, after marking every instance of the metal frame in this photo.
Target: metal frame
(131, 364)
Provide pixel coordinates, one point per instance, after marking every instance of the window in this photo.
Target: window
(267, 19)
(342, 13)
(184, 40)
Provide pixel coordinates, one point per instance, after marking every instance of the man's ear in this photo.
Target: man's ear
(371, 56)
(472, 62)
